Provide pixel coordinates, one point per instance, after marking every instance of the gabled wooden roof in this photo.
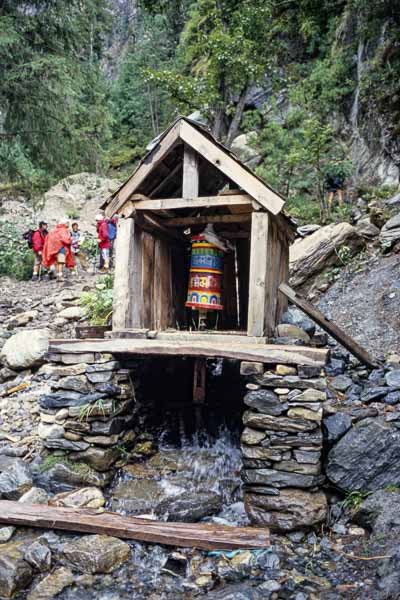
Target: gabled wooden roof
(222, 160)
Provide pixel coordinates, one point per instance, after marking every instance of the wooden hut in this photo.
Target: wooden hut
(188, 180)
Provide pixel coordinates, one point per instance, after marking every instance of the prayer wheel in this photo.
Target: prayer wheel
(205, 275)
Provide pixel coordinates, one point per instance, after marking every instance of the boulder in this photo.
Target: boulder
(292, 509)
(15, 573)
(52, 585)
(390, 232)
(314, 253)
(25, 349)
(294, 316)
(63, 477)
(96, 553)
(72, 313)
(243, 146)
(367, 229)
(97, 458)
(16, 480)
(190, 506)
(366, 457)
(89, 497)
(336, 426)
(380, 512)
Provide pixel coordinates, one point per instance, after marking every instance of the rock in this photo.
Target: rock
(292, 466)
(252, 436)
(293, 382)
(6, 534)
(393, 378)
(241, 591)
(390, 232)
(279, 479)
(100, 377)
(63, 444)
(138, 496)
(38, 555)
(294, 316)
(306, 456)
(251, 368)
(304, 413)
(25, 349)
(64, 477)
(341, 383)
(77, 383)
(89, 497)
(49, 432)
(67, 398)
(262, 421)
(305, 230)
(190, 506)
(109, 427)
(72, 313)
(259, 453)
(309, 395)
(292, 509)
(16, 480)
(15, 573)
(394, 200)
(374, 393)
(52, 584)
(320, 250)
(242, 146)
(52, 370)
(366, 457)
(96, 553)
(265, 401)
(292, 331)
(22, 319)
(285, 370)
(336, 425)
(367, 229)
(97, 458)
(35, 496)
(392, 398)
(379, 512)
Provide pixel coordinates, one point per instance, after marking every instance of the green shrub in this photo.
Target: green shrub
(16, 258)
(98, 303)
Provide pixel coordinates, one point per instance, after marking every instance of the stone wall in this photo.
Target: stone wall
(91, 415)
(281, 446)
(88, 413)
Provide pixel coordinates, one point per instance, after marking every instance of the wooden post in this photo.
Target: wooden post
(190, 186)
(199, 389)
(127, 276)
(256, 319)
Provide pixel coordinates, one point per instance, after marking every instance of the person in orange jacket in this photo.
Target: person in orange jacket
(57, 249)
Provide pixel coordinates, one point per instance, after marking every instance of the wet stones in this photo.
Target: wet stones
(281, 446)
(96, 553)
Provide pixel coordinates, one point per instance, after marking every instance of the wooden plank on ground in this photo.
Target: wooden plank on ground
(338, 334)
(196, 535)
(266, 353)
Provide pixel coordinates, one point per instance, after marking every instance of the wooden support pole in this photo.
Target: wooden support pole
(199, 389)
(256, 318)
(190, 186)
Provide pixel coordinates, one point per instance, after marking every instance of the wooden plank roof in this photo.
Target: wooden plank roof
(202, 141)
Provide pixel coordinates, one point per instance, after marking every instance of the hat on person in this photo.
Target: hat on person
(64, 221)
(99, 217)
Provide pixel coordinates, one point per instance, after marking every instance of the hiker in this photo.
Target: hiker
(37, 243)
(335, 184)
(112, 234)
(104, 243)
(57, 249)
(77, 240)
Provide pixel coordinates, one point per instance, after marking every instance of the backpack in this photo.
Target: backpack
(111, 230)
(27, 236)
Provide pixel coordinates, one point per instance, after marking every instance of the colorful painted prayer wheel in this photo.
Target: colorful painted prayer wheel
(205, 276)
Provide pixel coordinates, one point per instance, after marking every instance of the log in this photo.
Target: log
(196, 535)
(266, 353)
(338, 334)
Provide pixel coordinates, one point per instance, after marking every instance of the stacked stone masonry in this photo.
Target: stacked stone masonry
(88, 413)
(282, 444)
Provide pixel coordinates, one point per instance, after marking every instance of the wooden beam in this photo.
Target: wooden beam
(231, 168)
(256, 318)
(136, 204)
(188, 535)
(338, 334)
(128, 260)
(153, 225)
(190, 184)
(152, 160)
(205, 219)
(266, 353)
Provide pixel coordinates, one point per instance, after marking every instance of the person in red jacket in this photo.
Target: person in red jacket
(104, 243)
(57, 249)
(38, 238)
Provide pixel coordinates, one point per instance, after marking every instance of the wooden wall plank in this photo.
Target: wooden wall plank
(127, 276)
(190, 185)
(256, 321)
(146, 293)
